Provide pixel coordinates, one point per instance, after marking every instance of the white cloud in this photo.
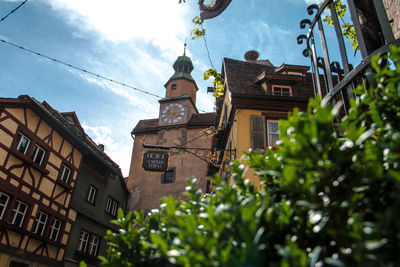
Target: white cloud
(141, 103)
(309, 2)
(118, 151)
(205, 101)
(160, 22)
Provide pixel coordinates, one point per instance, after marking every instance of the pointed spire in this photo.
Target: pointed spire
(183, 65)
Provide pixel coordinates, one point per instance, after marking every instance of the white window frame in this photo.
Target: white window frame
(94, 245)
(41, 221)
(269, 132)
(83, 241)
(65, 173)
(21, 137)
(17, 212)
(109, 204)
(55, 227)
(3, 206)
(91, 197)
(35, 154)
(114, 208)
(281, 92)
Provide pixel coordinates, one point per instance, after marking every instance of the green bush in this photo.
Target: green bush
(331, 196)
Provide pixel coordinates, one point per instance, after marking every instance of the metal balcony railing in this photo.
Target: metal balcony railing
(335, 81)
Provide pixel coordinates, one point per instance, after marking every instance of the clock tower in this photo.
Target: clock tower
(180, 97)
(179, 124)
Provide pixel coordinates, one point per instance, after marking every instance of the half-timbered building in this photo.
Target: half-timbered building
(41, 152)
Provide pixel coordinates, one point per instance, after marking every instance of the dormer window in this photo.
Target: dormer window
(173, 86)
(281, 90)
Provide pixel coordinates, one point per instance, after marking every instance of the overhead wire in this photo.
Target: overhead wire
(83, 70)
(224, 125)
(12, 11)
(78, 68)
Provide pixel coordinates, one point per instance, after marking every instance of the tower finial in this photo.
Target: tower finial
(184, 47)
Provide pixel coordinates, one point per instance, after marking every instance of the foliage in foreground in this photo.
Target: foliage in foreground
(331, 197)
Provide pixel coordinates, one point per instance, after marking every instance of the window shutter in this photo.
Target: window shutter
(257, 132)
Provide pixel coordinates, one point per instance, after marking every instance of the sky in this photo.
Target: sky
(136, 43)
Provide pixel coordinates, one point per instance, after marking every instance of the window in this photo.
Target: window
(88, 243)
(282, 90)
(18, 213)
(4, 198)
(55, 229)
(41, 221)
(273, 132)
(173, 86)
(111, 206)
(94, 245)
(168, 177)
(257, 132)
(38, 154)
(65, 173)
(23, 143)
(83, 241)
(91, 197)
(31, 148)
(114, 208)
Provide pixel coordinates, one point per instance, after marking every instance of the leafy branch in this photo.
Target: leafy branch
(347, 28)
(218, 82)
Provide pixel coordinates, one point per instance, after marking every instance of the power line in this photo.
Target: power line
(84, 70)
(210, 129)
(12, 11)
(78, 68)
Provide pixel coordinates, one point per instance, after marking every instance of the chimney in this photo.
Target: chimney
(101, 146)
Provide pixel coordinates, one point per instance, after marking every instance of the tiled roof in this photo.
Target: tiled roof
(203, 119)
(241, 75)
(151, 125)
(244, 77)
(145, 126)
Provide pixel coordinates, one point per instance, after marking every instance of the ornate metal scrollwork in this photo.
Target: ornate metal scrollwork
(211, 11)
(304, 22)
(306, 52)
(300, 38)
(310, 9)
(320, 62)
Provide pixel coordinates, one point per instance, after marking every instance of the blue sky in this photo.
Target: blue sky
(134, 42)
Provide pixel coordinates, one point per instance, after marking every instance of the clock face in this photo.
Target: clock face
(173, 113)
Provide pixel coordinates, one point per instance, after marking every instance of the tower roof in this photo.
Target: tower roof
(183, 67)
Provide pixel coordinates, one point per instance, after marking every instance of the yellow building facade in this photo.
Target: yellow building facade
(39, 163)
(257, 95)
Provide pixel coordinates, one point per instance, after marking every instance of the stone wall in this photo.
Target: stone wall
(393, 12)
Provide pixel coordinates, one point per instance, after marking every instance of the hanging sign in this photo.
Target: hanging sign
(155, 160)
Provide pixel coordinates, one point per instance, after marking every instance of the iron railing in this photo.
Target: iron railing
(335, 81)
